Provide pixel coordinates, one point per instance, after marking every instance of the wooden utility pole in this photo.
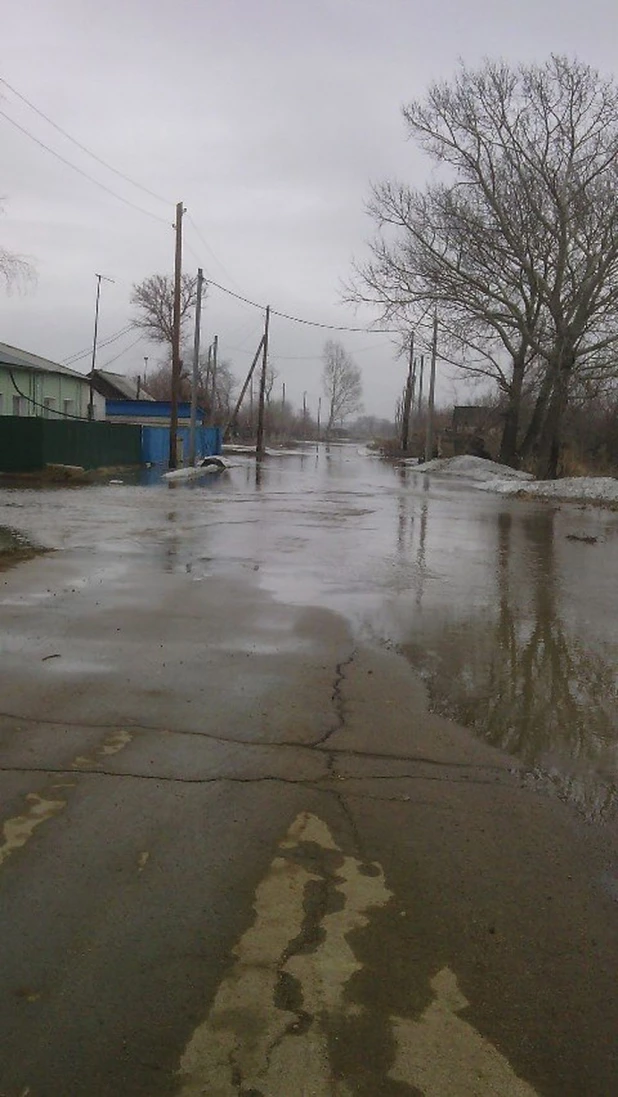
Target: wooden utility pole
(259, 445)
(283, 397)
(304, 415)
(196, 366)
(407, 400)
(173, 462)
(432, 390)
(420, 388)
(213, 380)
(248, 381)
(319, 415)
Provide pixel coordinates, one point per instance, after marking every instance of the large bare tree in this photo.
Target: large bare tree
(517, 242)
(154, 304)
(342, 384)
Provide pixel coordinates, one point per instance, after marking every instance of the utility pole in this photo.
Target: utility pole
(283, 397)
(213, 380)
(319, 415)
(145, 368)
(420, 388)
(432, 389)
(407, 400)
(173, 461)
(196, 366)
(259, 445)
(248, 381)
(100, 278)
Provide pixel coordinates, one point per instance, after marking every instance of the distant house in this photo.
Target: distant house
(34, 386)
(115, 386)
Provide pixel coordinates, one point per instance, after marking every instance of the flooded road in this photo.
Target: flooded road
(507, 608)
(248, 847)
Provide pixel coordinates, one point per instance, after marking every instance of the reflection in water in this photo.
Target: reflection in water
(524, 682)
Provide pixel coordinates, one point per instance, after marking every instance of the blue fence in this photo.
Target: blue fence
(156, 444)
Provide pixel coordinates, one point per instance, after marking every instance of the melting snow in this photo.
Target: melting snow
(491, 476)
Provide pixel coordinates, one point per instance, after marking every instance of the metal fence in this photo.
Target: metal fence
(29, 444)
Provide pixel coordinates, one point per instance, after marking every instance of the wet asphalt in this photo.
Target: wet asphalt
(308, 786)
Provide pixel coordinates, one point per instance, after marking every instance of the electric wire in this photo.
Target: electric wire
(38, 404)
(299, 319)
(125, 350)
(78, 144)
(80, 171)
(102, 343)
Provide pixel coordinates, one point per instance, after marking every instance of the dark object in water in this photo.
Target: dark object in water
(212, 461)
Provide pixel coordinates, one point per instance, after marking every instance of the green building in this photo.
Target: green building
(33, 386)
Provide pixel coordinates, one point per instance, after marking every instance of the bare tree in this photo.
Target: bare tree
(160, 384)
(342, 384)
(15, 270)
(519, 246)
(154, 303)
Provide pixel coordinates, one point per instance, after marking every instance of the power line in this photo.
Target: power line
(125, 350)
(104, 343)
(38, 404)
(208, 247)
(299, 319)
(83, 148)
(80, 171)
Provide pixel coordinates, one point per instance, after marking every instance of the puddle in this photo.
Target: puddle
(533, 671)
(507, 608)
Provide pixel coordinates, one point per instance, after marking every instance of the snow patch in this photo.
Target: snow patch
(472, 468)
(600, 489)
(490, 476)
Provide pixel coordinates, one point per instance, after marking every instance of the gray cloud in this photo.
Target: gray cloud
(267, 118)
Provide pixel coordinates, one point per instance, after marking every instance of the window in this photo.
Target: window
(19, 405)
(48, 406)
(68, 407)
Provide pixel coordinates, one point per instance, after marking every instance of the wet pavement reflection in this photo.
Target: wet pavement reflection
(507, 608)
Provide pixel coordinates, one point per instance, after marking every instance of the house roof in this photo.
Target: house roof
(124, 388)
(22, 359)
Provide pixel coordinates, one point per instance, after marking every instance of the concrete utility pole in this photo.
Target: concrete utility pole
(407, 400)
(196, 365)
(259, 446)
(173, 461)
(100, 278)
(432, 389)
(213, 380)
(145, 368)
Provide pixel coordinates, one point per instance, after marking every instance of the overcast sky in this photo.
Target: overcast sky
(269, 119)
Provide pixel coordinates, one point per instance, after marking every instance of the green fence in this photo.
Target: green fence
(29, 444)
